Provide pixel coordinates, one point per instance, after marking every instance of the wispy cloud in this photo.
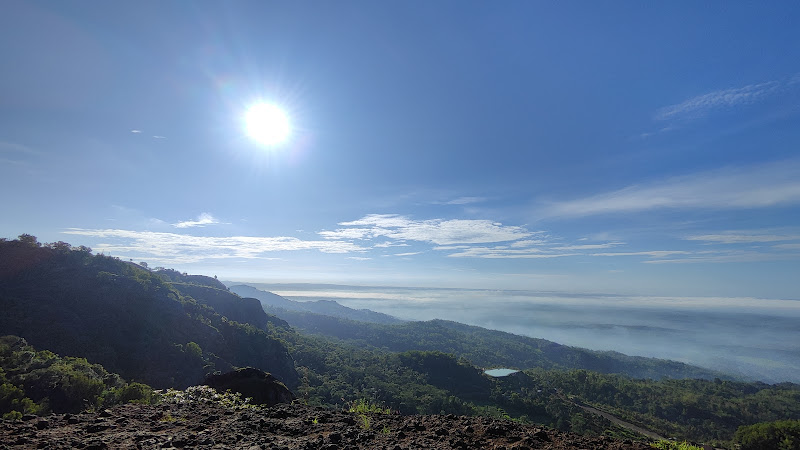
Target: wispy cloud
(504, 253)
(725, 257)
(529, 242)
(646, 256)
(388, 244)
(470, 239)
(661, 130)
(677, 116)
(14, 148)
(774, 184)
(16, 162)
(202, 220)
(718, 254)
(16, 154)
(589, 246)
(349, 233)
(436, 231)
(742, 237)
(156, 136)
(650, 253)
(181, 248)
(702, 105)
(466, 200)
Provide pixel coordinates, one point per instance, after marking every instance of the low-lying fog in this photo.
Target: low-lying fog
(756, 338)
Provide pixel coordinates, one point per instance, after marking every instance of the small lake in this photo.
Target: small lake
(500, 372)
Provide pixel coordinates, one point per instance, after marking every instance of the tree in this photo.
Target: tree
(60, 246)
(194, 349)
(781, 435)
(29, 240)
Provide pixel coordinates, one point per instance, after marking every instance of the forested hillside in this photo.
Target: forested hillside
(428, 382)
(487, 348)
(701, 410)
(124, 317)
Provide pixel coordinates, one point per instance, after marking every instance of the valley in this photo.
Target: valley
(169, 329)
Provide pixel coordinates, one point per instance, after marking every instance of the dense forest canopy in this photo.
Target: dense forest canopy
(40, 382)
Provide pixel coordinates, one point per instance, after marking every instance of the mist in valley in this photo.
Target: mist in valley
(745, 337)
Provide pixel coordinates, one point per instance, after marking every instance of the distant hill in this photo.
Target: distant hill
(325, 307)
(129, 319)
(488, 348)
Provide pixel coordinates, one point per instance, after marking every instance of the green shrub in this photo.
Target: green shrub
(13, 415)
(135, 393)
(193, 349)
(363, 406)
(671, 445)
(205, 395)
(780, 435)
(40, 382)
(365, 422)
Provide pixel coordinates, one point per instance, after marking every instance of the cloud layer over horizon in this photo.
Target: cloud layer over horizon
(760, 186)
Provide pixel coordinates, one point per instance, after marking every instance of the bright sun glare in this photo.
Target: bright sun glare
(267, 124)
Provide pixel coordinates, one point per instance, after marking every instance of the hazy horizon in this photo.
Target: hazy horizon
(746, 337)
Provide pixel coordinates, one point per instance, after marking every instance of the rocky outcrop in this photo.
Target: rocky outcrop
(261, 387)
(227, 304)
(287, 427)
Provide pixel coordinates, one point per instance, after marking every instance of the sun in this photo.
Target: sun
(267, 124)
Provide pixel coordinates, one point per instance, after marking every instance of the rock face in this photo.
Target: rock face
(262, 387)
(230, 305)
(283, 426)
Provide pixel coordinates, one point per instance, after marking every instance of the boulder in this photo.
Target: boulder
(262, 387)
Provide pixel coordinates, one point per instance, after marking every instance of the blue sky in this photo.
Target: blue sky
(632, 147)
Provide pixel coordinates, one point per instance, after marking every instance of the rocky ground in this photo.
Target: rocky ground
(281, 427)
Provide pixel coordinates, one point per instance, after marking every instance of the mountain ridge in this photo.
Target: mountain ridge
(325, 307)
(488, 348)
